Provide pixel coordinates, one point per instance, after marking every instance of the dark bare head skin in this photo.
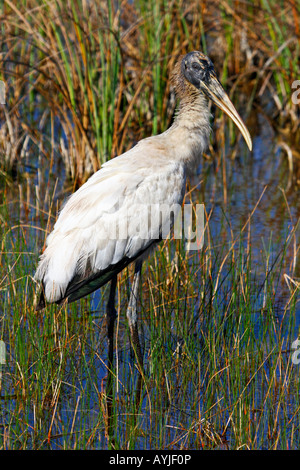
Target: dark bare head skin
(190, 71)
(194, 73)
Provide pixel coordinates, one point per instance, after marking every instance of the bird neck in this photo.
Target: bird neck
(191, 129)
(193, 112)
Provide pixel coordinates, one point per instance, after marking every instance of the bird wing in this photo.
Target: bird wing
(105, 224)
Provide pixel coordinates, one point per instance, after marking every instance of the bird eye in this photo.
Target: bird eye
(196, 66)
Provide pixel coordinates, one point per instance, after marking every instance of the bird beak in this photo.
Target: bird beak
(217, 94)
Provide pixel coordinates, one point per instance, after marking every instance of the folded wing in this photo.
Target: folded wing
(113, 219)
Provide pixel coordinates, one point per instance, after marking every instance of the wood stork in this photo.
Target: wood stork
(81, 255)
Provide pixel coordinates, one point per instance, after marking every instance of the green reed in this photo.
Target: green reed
(98, 73)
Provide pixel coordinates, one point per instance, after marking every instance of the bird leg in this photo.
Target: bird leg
(132, 314)
(111, 316)
(133, 327)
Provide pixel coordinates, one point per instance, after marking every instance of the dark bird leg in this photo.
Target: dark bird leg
(111, 317)
(133, 327)
(132, 314)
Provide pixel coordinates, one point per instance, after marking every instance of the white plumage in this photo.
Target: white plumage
(109, 203)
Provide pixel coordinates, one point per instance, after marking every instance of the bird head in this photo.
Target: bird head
(198, 70)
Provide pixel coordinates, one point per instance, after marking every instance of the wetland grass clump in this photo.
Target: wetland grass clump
(217, 328)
